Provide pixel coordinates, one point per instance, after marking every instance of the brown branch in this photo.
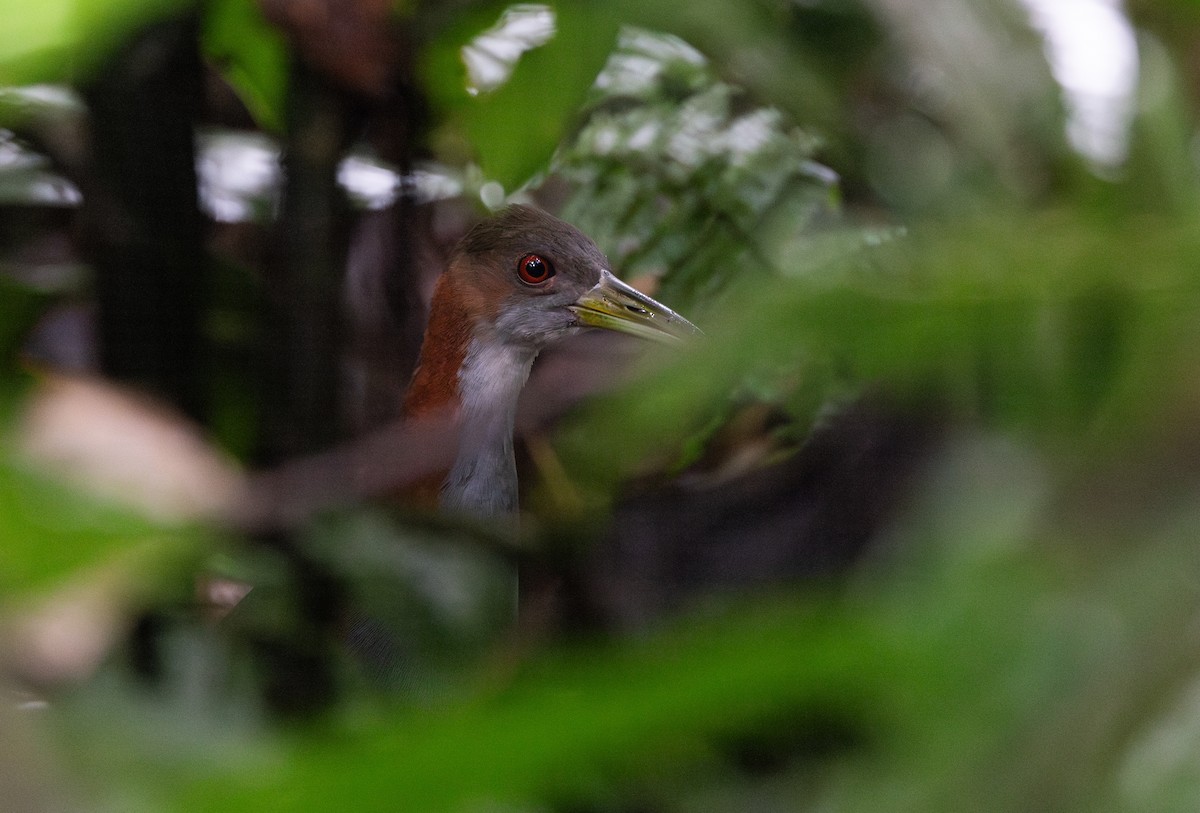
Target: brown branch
(385, 462)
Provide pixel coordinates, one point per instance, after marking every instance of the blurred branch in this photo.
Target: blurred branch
(385, 462)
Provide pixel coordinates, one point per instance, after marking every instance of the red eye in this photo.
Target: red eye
(533, 270)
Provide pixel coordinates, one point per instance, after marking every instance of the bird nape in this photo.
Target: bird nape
(514, 284)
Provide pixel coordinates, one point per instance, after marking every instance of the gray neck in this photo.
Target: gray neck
(483, 480)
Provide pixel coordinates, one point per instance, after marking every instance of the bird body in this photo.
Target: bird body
(514, 284)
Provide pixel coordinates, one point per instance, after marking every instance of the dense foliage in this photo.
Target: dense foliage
(911, 528)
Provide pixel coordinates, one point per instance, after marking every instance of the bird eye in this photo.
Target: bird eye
(533, 270)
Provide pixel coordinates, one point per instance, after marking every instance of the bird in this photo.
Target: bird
(514, 284)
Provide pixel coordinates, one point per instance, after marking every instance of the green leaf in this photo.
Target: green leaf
(56, 40)
(1041, 324)
(956, 671)
(34, 40)
(512, 131)
(49, 532)
(570, 723)
(252, 55)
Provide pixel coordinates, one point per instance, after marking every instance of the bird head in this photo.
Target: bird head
(528, 278)
(515, 283)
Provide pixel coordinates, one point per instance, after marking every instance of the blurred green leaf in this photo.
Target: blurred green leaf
(568, 725)
(35, 40)
(1042, 324)
(969, 665)
(514, 129)
(60, 39)
(438, 600)
(252, 54)
(49, 532)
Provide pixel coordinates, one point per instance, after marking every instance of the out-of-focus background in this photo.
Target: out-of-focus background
(914, 526)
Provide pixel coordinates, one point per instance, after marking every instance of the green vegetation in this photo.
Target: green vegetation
(951, 360)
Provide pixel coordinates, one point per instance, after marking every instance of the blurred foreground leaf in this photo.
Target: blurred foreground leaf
(1050, 324)
(49, 533)
(984, 663)
(251, 54)
(566, 726)
(59, 39)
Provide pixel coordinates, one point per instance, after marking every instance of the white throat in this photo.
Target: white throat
(483, 480)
